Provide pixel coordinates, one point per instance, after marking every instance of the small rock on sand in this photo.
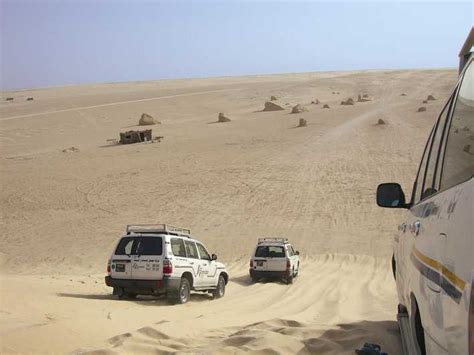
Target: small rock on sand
(403, 94)
(71, 150)
(298, 109)
(271, 106)
(325, 106)
(147, 120)
(430, 98)
(425, 101)
(302, 123)
(467, 148)
(222, 118)
(349, 101)
(273, 98)
(364, 98)
(315, 102)
(380, 122)
(29, 99)
(421, 109)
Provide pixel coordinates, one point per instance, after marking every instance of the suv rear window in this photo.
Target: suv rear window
(270, 251)
(140, 246)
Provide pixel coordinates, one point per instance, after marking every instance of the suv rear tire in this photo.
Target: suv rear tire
(182, 294)
(220, 289)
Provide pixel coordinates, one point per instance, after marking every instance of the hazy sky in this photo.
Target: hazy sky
(60, 42)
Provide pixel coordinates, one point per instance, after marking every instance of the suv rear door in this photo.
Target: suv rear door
(192, 257)
(270, 258)
(120, 265)
(147, 258)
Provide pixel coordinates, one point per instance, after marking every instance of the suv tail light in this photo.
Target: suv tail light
(108, 268)
(251, 263)
(167, 267)
(471, 320)
(288, 264)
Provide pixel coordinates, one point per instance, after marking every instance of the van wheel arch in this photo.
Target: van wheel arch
(415, 321)
(394, 267)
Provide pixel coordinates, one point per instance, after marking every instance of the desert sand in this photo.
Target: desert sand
(67, 194)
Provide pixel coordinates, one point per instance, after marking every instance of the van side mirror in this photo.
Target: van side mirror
(213, 257)
(391, 195)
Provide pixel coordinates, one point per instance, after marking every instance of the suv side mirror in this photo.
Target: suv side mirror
(391, 195)
(297, 252)
(213, 257)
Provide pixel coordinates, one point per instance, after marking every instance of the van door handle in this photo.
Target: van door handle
(402, 227)
(416, 226)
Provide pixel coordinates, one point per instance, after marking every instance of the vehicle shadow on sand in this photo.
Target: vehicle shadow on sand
(245, 280)
(143, 300)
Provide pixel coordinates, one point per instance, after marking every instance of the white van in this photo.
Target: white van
(433, 259)
(162, 259)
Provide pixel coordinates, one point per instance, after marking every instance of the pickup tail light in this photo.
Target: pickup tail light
(288, 264)
(471, 320)
(167, 267)
(251, 263)
(109, 270)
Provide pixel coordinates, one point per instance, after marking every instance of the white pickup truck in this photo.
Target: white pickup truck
(274, 258)
(162, 259)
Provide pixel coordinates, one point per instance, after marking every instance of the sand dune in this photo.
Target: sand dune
(229, 183)
(324, 310)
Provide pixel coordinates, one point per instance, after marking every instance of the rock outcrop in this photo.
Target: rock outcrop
(222, 118)
(147, 120)
(298, 109)
(271, 106)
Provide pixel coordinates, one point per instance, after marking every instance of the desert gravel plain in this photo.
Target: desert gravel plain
(63, 209)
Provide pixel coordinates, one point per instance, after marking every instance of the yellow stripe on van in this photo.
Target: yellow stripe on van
(458, 282)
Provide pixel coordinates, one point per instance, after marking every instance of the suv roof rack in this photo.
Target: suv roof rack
(272, 240)
(158, 228)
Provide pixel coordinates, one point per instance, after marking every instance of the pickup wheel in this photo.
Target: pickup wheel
(289, 278)
(220, 289)
(182, 294)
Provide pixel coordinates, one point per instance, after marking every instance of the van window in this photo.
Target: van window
(140, 246)
(270, 251)
(458, 163)
(418, 186)
(203, 252)
(429, 184)
(191, 250)
(177, 247)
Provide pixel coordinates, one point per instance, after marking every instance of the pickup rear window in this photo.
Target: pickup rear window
(140, 246)
(270, 251)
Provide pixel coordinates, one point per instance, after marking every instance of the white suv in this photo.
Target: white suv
(162, 259)
(274, 258)
(433, 259)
